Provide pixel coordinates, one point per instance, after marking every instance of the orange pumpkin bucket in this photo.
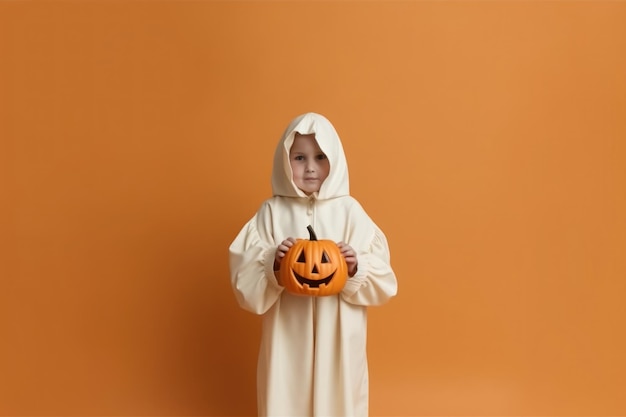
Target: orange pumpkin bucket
(313, 267)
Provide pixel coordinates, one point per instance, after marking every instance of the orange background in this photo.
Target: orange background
(487, 139)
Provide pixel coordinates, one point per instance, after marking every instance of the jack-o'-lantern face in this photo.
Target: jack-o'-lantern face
(314, 267)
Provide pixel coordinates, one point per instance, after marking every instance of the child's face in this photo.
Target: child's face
(309, 164)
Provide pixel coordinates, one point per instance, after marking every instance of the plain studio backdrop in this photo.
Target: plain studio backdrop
(487, 139)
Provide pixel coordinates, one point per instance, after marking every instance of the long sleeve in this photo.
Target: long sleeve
(252, 270)
(375, 282)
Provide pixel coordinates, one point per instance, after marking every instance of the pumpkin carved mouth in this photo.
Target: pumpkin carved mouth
(312, 283)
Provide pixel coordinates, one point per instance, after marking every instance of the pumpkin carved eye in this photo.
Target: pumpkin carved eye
(325, 274)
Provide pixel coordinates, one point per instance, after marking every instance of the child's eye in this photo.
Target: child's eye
(321, 156)
(299, 158)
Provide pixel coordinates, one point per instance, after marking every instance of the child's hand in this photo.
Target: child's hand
(281, 250)
(350, 256)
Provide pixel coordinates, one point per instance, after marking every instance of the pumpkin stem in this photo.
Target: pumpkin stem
(312, 234)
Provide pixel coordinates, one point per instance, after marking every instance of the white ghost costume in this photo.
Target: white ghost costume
(312, 359)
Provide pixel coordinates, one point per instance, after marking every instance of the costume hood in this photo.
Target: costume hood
(336, 184)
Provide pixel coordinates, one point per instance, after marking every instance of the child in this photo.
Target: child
(312, 359)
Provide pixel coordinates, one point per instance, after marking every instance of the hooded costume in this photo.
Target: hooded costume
(312, 359)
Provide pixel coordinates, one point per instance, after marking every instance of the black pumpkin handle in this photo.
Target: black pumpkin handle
(312, 234)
